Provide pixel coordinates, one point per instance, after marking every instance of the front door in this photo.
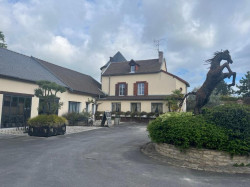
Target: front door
(16, 110)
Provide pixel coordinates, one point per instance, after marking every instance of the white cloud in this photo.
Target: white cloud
(82, 34)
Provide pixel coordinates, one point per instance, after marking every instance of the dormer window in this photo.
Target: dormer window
(132, 69)
(133, 66)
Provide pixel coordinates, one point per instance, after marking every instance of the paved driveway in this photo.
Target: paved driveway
(103, 157)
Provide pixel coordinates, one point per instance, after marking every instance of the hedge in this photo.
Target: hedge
(47, 120)
(235, 118)
(185, 131)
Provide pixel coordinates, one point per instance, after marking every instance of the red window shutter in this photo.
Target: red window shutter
(146, 88)
(126, 89)
(135, 88)
(117, 89)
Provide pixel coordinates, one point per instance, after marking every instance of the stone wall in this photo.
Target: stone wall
(202, 157)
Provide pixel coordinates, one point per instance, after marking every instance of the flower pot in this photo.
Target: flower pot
(46, 131)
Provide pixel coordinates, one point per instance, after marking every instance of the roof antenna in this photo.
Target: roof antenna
(157, 43)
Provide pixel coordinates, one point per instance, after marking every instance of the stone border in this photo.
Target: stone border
(150, 150)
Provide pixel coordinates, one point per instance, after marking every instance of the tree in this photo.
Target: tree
(174, 99)
(244, 86)
(49, 103)
(191, 100)
(222, 89)
(2, 41)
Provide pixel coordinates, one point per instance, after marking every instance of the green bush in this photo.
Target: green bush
(165, 116)
(135, 114)
(128, 113)
(47, 120)
(236, 118)
(246, 100)
(185, 131)
(143, 113)
(74, 117)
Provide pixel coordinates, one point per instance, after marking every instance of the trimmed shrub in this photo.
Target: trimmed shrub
(185, 131)
(47, 120)
(236, 118)
(165, 116)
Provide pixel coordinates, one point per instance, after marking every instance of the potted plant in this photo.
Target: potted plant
(47, 123)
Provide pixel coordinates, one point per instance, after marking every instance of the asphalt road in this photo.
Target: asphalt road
(104, 157)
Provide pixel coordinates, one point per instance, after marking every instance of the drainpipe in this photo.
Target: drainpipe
(109, 85)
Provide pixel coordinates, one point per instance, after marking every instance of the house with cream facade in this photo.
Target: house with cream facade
(134, 86)
(138, 86)
(18, 76)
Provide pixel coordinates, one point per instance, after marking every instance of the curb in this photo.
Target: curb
(149, 150)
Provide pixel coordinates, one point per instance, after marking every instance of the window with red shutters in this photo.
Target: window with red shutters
(146, 88)
(117, 89)
(141, 88)
(135, 88)
(121, 89)
(126, 89)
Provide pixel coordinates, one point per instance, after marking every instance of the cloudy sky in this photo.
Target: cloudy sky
(83, 34)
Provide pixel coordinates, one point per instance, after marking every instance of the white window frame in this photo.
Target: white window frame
(121, 89)
(132, 68)
(74, 106)
(141, 88)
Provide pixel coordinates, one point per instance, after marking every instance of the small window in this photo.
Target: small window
(116, 107)
(74, 107)
(157, 108)
(135, 107)
(121, 89)
(132, 69)
(140, 88)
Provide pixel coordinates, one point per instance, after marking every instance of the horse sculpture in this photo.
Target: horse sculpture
(214, 76)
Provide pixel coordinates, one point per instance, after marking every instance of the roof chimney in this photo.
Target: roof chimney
(160, 57)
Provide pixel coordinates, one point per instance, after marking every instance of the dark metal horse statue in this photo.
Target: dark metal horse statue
(214, 76)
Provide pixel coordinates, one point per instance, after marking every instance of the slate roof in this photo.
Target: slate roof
(131, 98)
(123, 68)
(74, 80)
(18, 66)
(145, 67)
(25, 68)
(118, 57)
